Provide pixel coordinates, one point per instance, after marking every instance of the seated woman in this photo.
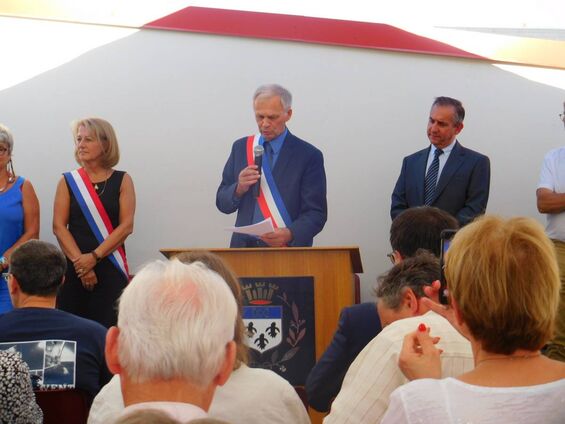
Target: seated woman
(17, 401)
(503, 283)
(250, 396)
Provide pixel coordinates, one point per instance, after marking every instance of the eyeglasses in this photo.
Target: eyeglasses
(3, 151)
(391, 257)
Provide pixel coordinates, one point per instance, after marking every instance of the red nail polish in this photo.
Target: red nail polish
(422, 327)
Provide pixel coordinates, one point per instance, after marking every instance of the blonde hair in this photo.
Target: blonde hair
(503, 275)
(105, 134)
(217, 264)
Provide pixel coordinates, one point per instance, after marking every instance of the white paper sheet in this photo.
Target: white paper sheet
(263, 227)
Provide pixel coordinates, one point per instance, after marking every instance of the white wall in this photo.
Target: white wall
(178, 101)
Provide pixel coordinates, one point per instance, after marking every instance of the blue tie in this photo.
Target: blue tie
(269, 151)
(431, 179)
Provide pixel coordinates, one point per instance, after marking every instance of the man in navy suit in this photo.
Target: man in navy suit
(454, 179)
(298, 181)
(357, 326)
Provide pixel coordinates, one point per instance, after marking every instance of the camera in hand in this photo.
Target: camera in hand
(445, 239)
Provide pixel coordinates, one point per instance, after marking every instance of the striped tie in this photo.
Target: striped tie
(431, 179)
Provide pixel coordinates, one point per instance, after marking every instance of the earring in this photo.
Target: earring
(11, 172)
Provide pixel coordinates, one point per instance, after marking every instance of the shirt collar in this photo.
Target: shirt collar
(447, 149)
(178, 410)
(277, 142)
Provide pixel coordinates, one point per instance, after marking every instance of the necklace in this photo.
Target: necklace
(500, 358)
(103, 188)
(8, 182)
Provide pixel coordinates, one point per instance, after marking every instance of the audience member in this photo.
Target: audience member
(17, 401)
(374, 374)
(235, 401)
(170, 347)
(62, 350)
(419, 228)
(503, 281)
(415, 228)
(551, 201)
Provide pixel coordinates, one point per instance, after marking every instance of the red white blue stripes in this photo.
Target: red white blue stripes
(95, 214)
(270, 201)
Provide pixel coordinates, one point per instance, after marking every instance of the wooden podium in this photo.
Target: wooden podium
(331, 267)
(333, 270)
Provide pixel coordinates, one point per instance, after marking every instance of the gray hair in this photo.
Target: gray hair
(175, 321)
(412, 273)
(6, 137)
(272, 90)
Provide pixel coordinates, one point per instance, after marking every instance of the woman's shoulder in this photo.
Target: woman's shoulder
(14, 185)
(425, 384)
(20, 181)
(259, 382)
(259, 377)
(118, 173)
(280, 402)
(118, 176)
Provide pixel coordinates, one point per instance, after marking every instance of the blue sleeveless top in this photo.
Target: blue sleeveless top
(11, 229)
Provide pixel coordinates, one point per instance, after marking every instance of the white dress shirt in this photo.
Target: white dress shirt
(250, 396)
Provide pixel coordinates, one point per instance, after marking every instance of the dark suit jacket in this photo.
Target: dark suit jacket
(462, 189)
(358, 325)
(301, 179)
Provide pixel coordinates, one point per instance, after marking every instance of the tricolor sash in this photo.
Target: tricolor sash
(270, 201)
(95, 214)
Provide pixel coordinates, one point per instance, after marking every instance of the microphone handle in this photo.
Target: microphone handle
(257, 185)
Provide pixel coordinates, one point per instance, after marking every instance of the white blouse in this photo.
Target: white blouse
(453, 401)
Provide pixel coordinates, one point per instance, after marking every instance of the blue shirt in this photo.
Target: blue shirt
(62, 351)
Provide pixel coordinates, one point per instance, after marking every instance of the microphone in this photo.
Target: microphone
(258, 154)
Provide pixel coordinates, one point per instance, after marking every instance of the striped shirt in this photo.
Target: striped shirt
(373, 376)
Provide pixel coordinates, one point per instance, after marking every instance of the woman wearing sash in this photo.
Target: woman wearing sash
(19, 211)
(92, 217)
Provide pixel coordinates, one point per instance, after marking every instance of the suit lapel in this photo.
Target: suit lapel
(420, 170)
(455, 160)
(285, 156)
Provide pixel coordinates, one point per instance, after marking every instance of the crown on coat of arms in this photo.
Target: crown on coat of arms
(259, 293)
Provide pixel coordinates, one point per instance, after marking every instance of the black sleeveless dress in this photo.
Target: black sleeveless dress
(100, 303)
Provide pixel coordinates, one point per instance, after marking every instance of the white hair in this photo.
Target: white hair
(272, 90)
(175, 321)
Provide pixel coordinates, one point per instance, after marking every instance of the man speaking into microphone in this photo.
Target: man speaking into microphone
(286, 183)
